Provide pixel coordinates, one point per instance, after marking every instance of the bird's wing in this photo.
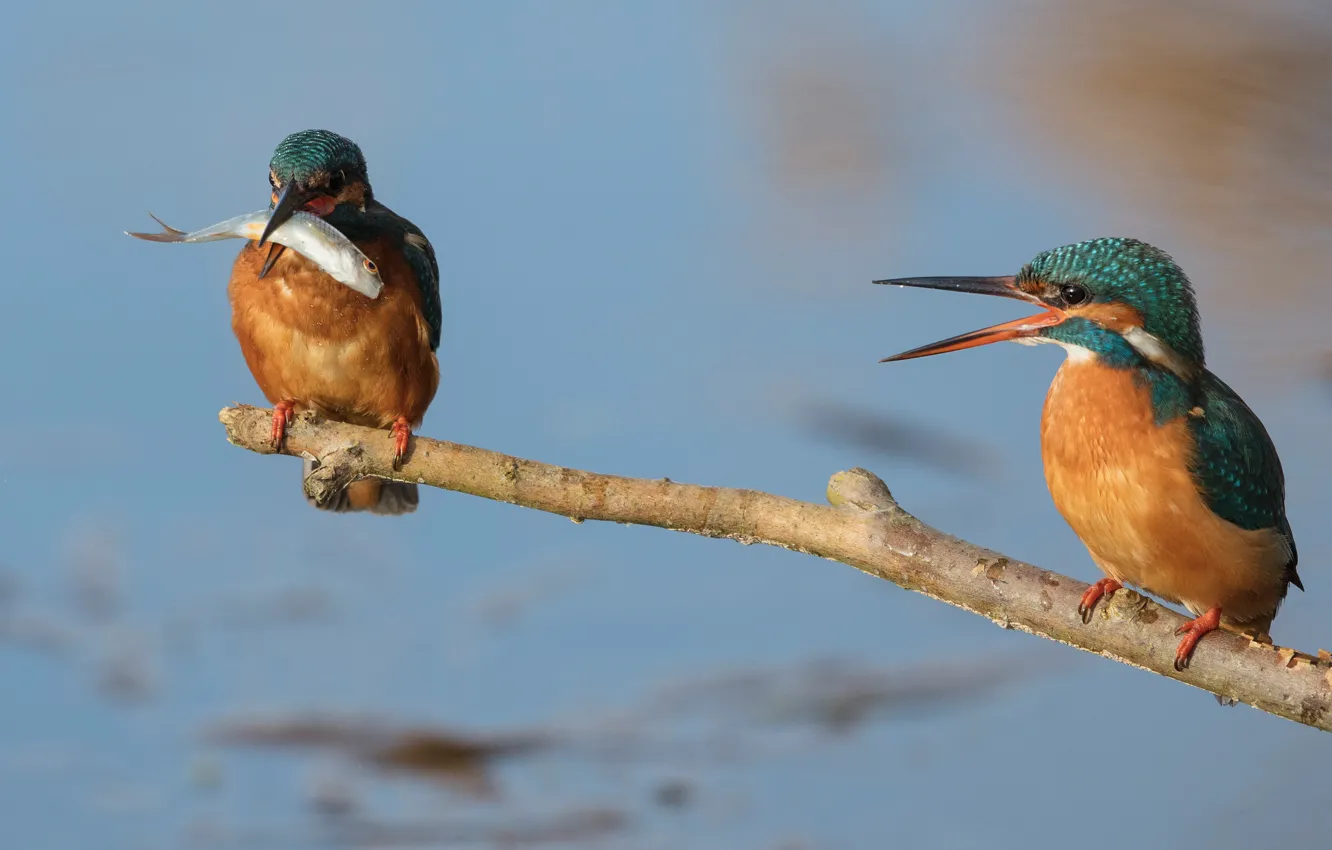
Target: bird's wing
(1237, 467)
(421, 255)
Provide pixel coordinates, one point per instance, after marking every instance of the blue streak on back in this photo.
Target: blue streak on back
(1237, 466)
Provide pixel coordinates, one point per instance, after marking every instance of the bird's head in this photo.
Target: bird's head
(1107, 296)
(315, 171)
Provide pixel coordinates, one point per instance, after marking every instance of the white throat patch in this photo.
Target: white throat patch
(1076, 353)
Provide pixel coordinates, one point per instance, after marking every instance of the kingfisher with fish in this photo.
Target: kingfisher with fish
(1162, 471)
(346, 323)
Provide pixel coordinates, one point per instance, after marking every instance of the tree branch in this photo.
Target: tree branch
(864, 528)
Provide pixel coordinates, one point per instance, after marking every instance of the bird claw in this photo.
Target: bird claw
(402, 434)
(1085, 612)
(1104, 587)
(1193, 631)
(283, 413)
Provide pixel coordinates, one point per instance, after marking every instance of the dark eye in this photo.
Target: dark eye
(1073, 294)
(335, 182)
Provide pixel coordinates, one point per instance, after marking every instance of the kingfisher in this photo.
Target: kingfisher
(1162, 471)
(312, 343)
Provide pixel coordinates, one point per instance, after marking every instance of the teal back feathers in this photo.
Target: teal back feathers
(1236, 466)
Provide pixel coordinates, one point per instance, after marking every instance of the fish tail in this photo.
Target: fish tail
(375, 495)
(166, 228)
(168, 234)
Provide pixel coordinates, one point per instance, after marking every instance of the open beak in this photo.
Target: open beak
(1005, 287)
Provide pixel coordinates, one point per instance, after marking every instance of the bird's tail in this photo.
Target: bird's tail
(388, 498)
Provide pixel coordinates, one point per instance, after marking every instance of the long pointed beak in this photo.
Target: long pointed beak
(291, 200)
(274, 251)
(1004, 287)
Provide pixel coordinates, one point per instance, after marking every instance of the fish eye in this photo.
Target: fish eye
(370, 266)
(1073, 294)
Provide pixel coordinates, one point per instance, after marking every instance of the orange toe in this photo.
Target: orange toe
(402, 435)
(1193, 632)
(1104, 587)
(283, 412)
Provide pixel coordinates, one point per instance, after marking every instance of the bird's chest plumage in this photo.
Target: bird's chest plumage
(309, 339)
(1124, 484)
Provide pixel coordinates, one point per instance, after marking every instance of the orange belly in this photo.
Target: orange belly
(1123, 484)
(311, 340)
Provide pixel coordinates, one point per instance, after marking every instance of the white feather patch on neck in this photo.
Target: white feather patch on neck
(1158, 352)
(1076, 353)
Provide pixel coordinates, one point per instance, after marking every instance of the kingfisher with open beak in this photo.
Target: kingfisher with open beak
(1165, 474)
(312, 343)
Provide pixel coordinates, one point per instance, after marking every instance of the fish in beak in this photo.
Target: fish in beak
(292, 198)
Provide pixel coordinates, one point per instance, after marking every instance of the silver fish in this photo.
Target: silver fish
(306, 234)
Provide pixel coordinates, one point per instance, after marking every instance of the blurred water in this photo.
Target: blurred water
(656, 227)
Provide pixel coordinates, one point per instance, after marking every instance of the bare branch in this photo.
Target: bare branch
(864, 528)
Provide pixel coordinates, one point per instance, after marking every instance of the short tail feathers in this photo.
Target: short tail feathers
(387, 498)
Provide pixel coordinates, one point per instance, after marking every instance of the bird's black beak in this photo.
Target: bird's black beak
(1004, 287)
(291, 199)
(274, 251)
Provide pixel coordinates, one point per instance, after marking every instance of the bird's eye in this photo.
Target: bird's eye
(1073, 294)
(370, 266)
(335, 182)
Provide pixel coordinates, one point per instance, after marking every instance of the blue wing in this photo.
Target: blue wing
(1237, 467)
(421, 256)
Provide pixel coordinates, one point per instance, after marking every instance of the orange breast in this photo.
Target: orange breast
(310, 339)
(1123, 484)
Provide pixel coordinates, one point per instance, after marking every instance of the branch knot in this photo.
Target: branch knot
(859, 488)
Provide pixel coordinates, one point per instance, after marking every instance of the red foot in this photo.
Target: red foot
(1104, 587)
(283, 413)
(402, 433)
(1193, 632)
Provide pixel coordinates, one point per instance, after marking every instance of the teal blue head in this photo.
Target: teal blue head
(1120, 299)
(315, 171)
